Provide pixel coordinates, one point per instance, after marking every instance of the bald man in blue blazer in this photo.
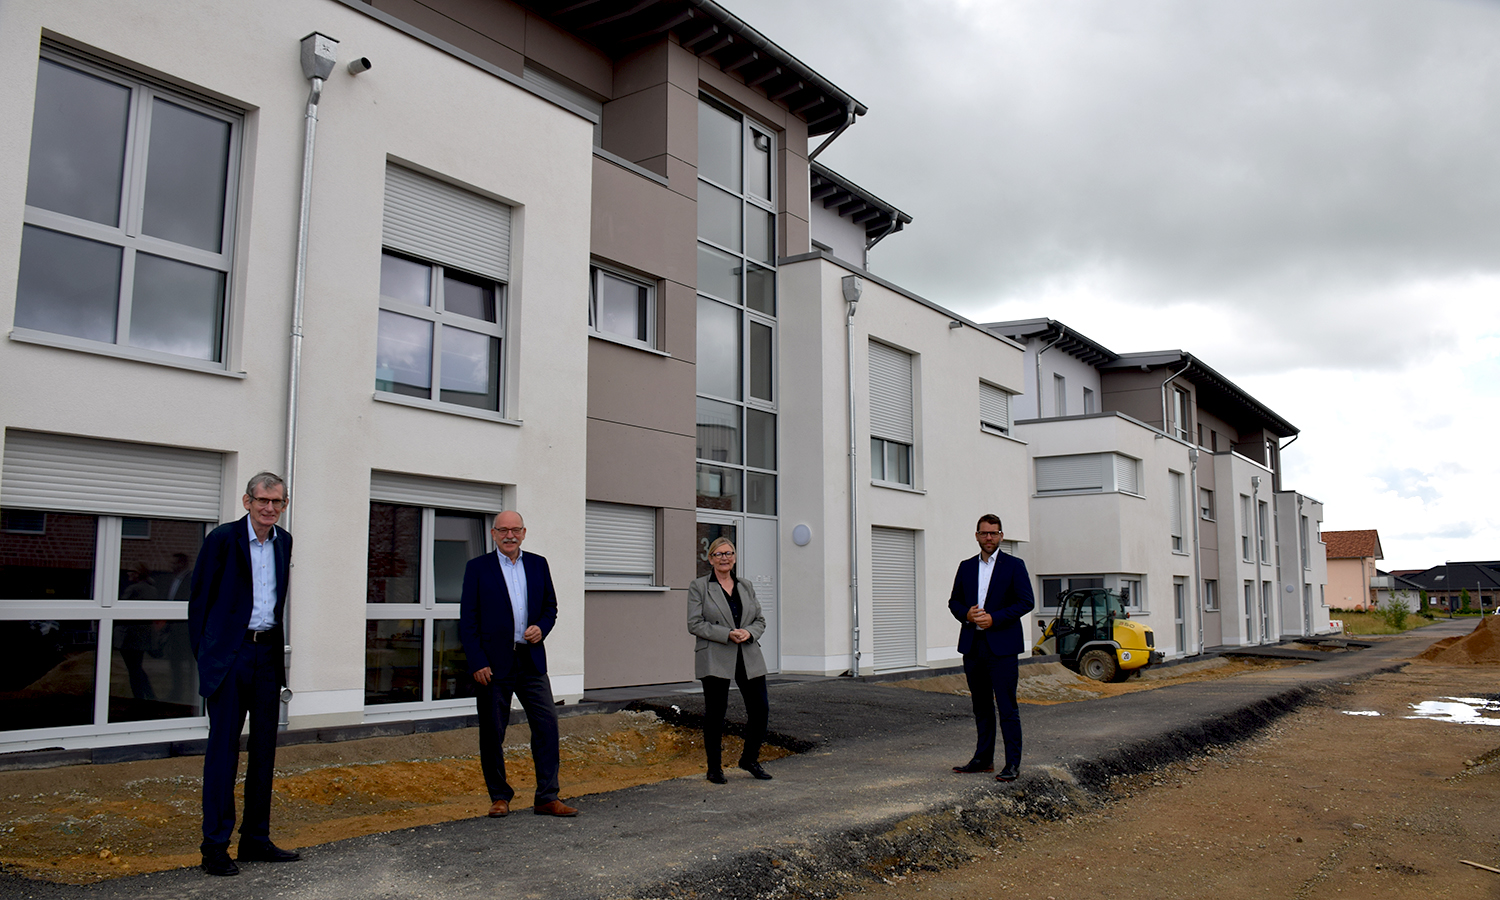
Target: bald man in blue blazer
(991, 592)
(506, 611)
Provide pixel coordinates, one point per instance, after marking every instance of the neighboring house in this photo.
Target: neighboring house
(1155, 473)
(1351, 568)
(1445, 585)
(1395, 585)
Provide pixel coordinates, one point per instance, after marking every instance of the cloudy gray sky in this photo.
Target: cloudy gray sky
(1303, 193)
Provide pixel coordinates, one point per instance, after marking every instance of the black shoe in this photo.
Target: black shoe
(973, 766)
(216, 861)
(265, 851)
(717, 776)
(754, 769)
(1009, 773)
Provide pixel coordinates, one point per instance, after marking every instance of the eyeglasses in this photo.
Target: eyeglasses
(505, 531)
(273, 502)
(723, 554)
(988, 533)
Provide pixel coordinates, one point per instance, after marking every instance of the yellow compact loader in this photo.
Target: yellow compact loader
(1093, 636)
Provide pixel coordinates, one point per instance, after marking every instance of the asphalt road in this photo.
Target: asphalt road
(871, 785)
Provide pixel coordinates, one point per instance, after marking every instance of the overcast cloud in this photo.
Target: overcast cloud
(1302, 193)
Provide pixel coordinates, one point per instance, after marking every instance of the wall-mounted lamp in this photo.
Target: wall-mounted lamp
(362, 64)
(801, 535)
(955, 324)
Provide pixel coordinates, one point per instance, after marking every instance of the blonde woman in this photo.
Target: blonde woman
(727, 620)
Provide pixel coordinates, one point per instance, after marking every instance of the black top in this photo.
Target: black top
(732, 595)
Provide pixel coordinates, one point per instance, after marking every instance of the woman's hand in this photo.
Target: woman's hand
(739, 635)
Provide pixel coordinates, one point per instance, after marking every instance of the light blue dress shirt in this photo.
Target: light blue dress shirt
(262, 580)
(515, 584)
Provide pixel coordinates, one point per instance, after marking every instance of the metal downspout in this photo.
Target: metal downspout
(1260, 589)
(1197, 547)
(1165, 424)
(848, 120)
(853, 286)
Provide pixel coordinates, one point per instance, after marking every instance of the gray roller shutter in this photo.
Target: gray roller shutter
(438, 493)
(890, 394)
(994, 407)
(619, 543)
(74, 474)
(435, 221)
(1069, 473)
(893, 576)
(1127, 474)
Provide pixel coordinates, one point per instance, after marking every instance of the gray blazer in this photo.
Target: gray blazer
(710, 620)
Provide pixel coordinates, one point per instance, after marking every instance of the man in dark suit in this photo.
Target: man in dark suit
(991, 592)
(236, 615)
(507, 609)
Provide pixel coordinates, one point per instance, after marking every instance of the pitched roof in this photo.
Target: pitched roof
(1353, 544)
(1457, 576)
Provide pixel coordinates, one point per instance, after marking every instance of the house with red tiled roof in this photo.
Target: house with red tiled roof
(1351, 567)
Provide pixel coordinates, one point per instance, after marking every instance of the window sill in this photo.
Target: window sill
(624, 588)
(448, 408)
(601, 336)
(894, 486)
(1181, 553)
(134, 354)
(1000, 434)
(629, 166)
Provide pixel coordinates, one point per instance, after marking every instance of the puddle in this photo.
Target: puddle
(1460, 710)
(1360, 712)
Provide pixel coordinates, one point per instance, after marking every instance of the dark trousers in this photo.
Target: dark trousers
(493, 700)
(716, 703)
(252, 686)
(992, 686)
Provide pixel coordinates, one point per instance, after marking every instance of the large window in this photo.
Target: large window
(1263, 525)
(1247, 529)
(129, 211)
(442, 293)
(1178, 497)
(1181, 414)
(892, 415)
(418, 548)
(622, 307)
(736, 355)
(1088, 472)
(1129, 586)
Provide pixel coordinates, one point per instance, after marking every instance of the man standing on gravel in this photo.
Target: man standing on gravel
(507, 608)
(991, 592)
(236, 614)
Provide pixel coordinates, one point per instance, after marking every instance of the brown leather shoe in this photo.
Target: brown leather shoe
(499, 808)
(554, 808)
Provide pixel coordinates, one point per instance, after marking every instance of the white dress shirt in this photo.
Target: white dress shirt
(262, 580)
(515, 585)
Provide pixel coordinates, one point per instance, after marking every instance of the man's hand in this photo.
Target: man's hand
(532, 634)
(739, 635)
(980, 618)
(483, 676)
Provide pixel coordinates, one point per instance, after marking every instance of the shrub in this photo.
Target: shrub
(1394, 612)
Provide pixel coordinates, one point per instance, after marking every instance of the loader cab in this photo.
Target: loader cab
(1085, 616)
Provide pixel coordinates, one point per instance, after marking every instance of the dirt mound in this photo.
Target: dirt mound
(1480, 647)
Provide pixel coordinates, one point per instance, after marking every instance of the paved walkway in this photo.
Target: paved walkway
(878, 755)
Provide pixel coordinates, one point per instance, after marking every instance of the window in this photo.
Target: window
(1264, 531)
(1089, 406)
(994, 408)
(1060, 395)
(1087, 472)
(1181, 413)
(1247, 529)
(129, 214)
(1249, 609)
(736, 358)
(1302, 535)
(1175, 479)
(97, 545)
(1211, 595)
(1205, 504)
(619, 545)
(622, 307)
(419, 546)
(892, 429)
(442, 293)
(1179, 611)
(1129, 586)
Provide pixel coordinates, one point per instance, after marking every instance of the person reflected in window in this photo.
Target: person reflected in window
(727, 620)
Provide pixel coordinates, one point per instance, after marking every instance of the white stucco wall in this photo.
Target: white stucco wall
(419, 106)
(1076, 374)
(1232, 474)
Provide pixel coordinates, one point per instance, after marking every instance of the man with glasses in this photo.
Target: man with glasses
(991, 592)
(236, 614)
(507, 609)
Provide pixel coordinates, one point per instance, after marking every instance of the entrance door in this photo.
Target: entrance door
(755, 561)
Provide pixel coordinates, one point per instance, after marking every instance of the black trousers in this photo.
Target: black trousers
(716, 703)
(992, 687)
(493, 701)
(252, 686)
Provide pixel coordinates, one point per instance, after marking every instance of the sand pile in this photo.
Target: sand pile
(1480, 647)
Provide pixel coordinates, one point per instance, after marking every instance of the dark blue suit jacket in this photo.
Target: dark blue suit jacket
(223, 596)
(486, 624)
(1008, 599)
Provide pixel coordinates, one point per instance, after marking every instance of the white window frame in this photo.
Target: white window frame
(994, 408)
(1112, 581)
(1177, 494)
(126, 233)
(620, 547)
(598, 274)
(1182, 414)
(893, 412)
(1206, 510)
(1210, 595)
(1262, 524)
(1059, 395)
(1090, 405)
(1087, 473)
(1247, 529)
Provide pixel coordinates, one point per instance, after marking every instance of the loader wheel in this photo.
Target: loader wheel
(1100, 665)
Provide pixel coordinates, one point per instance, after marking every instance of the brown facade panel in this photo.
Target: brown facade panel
(641, 467)
(741, 96)
(641, 69)
(679, 537)
(640, 224)
(682, 126)
(640, 388)
(636, 637)
(795, 234)
(635, 125)
(443, 26)
(677, 305)
(569, 56)
(793, 188)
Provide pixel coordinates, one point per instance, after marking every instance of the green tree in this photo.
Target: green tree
(1463, 601)
(1394, 612)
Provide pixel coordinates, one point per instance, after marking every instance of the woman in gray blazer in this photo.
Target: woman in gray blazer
(727, 620)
